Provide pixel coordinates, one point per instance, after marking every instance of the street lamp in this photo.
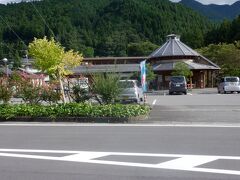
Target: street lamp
(5, 60)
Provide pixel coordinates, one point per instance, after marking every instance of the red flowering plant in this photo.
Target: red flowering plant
(29, 90)
(50, 94)
(6, 89)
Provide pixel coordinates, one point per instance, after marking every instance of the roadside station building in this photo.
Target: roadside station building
(162, 60)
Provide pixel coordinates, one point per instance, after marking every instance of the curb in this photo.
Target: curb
(78, 119)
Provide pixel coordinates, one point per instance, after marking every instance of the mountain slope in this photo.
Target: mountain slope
(100, 27)
(213, 11)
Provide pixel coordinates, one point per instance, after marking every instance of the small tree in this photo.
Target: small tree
(51, 58)
(182, 69)
(107, 87)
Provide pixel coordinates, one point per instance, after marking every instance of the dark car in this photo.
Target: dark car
(178, 84)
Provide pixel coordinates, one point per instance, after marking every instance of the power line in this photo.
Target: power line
(13, 31)
(44, 21)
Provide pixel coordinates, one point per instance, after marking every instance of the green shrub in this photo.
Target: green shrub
(107, 87)
(72, 110)
(80, 95)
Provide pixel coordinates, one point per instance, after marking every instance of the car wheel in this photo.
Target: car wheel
(170, 93)
(225, 92)
(185, 93)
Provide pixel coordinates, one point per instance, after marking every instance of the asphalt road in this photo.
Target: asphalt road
(196, 107)
(186, 137)
(119, 152)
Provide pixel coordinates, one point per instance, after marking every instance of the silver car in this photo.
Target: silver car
(229, 84)
(131, 91)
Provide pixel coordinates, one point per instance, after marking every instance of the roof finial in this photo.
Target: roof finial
(173, 36)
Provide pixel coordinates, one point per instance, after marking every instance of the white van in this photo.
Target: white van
(131, 91)
(229, 84)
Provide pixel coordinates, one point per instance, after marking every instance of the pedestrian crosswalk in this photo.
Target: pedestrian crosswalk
(180, 162)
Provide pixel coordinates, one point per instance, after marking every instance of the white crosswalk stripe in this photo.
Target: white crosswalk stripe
(179, 161)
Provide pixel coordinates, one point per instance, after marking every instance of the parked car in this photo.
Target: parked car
(229, 84)
(131, 91)
(177, 84)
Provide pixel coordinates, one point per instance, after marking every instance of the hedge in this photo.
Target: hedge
(73, 110)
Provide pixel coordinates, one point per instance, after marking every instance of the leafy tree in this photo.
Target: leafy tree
(182, 69)
(50, 57)
(227, 56)
(150, 75)
(226, 32)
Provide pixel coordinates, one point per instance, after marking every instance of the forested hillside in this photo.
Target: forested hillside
(99, 27)
(224, 47)
(213, 11)
(226, 32)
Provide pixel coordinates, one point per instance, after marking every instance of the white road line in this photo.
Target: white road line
(187, 162)
(154, 102)
(84, 156)
(182, 163)
(161, 124)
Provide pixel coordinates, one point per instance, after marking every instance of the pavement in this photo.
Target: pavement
(187, 137)
(121, 152)
(201, 106)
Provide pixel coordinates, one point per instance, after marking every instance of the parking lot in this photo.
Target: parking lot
(198, 106)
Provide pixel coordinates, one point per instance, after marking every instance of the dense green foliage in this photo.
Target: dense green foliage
(224, 47)
(72, 110)
(182, 69)
(226, 32)
(227, 56)
(141, 48)
(213, 11)
(98, 27)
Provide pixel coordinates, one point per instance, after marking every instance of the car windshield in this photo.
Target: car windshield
(126, 84)
(177, 79)
(232, 79)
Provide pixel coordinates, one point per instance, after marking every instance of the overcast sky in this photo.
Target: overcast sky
(202, 1)
(213, 1)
